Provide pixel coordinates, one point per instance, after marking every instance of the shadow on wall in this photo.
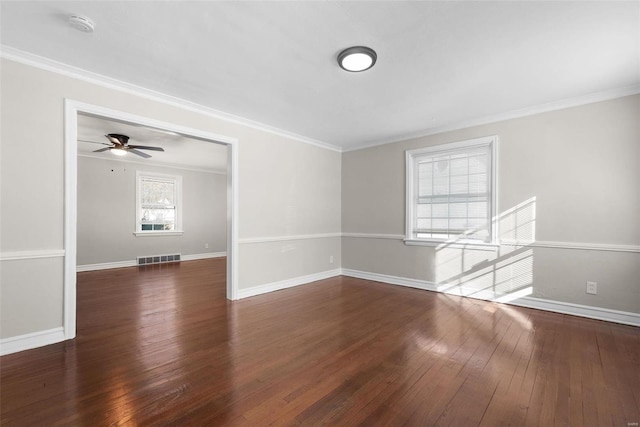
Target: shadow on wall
(500, 275)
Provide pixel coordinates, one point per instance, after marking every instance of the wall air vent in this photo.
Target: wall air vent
(157, 259)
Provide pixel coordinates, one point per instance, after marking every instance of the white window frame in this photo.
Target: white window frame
(412, 156)
(177, 231)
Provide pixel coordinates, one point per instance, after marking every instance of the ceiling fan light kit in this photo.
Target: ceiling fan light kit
(117, 138)
(357, 58)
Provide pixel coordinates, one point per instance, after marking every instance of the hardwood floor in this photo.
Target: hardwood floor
(161, 345)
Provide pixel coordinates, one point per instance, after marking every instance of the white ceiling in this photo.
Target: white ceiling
(439, 63)
(179, 151)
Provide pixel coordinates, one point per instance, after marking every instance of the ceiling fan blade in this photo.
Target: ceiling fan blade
(144, 147)
(94, 142)
(100, 150)
(139, 153)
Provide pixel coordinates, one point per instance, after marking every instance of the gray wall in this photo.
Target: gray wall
(107, 205)
(574, 174)
(287, 189)
(581, 165)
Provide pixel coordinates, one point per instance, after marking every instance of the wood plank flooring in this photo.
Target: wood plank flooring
(160, 345)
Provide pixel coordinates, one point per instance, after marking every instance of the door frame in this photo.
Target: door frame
(71, 110)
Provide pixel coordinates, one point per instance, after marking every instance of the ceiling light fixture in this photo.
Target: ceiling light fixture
(81, 23)
(119, 151)
(357, 58)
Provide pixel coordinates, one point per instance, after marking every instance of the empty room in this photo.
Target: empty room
(421, 213)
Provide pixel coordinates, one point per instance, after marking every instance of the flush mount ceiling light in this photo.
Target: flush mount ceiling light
(357, 58)
(81, 23)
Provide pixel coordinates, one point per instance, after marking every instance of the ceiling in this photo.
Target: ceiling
(439, 63)
(179, 151)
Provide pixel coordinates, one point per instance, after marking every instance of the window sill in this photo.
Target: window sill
(439, 244)
(157, 233)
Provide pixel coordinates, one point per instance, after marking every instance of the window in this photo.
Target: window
(451, 192)
(158, 209)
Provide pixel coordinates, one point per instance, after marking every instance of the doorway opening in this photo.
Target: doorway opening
(73, 110)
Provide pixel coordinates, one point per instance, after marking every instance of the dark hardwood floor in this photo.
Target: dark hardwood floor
(161, 345)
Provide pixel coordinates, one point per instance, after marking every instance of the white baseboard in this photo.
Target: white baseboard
(32, 340)
(208, 255)
(392, 280)
(105, 266)
(288, 283)
(121, 264)
(616, 316)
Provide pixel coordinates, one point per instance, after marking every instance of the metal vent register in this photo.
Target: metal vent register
(157, 259)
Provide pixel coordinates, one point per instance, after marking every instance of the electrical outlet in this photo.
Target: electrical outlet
(592, 288)
(206, 246)
(331, 259)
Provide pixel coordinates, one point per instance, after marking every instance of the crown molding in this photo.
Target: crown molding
(47, 64)
(17, 55)
(508, 115)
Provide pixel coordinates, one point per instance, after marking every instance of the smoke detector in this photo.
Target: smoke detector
(81, 23)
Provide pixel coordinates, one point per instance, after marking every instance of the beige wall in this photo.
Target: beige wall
(107, 205)
(580, 164)
(577, 172)
(285, 188)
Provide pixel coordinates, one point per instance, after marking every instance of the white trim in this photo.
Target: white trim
(71, 110)
(32, 340)
(156, 164)
(233, 200)
(606, 314)
(157, 233)
(577, 246)
(105, 266)
(194, 257)
(392, 280)
(287, 238)
(374, 236)
(19, 255)
(288, 283)
(176, 180)
(616, 316)
(124, 264)
(47, 64)
(607, 247)
(447, 147)
(507, 115)
(479, 246)
(412, 157)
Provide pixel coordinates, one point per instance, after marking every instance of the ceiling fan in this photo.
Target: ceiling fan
(119, 144)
